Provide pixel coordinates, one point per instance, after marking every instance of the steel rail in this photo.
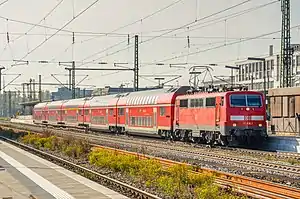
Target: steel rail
(250, 186)
(245, 185)
(280, 154)
(281, 169)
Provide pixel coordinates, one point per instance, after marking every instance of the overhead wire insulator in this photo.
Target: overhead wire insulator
(128, 39)
(73, 38)
(188, 40)
(7, 37)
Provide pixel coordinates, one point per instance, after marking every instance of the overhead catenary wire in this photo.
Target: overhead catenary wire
(228, 17)
(70, 21)
(142, 19)
(178, 28)
(228, 44)
(35, 25)
(3, 2)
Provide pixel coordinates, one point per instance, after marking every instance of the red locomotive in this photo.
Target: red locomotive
(218, 117)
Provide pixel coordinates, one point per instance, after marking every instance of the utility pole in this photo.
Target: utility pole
(30, 90)
(24, 95)
(264, 73)
(1, 68)
(5, 104)
(9, 103)
(40, 88)
(14, 103)
(286, 50)
(33, 89)
(73, 80)
(136, 63)
(70, 78)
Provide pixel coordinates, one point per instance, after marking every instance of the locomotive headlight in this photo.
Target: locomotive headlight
(260, 125)
(247, 109)
(234, 124)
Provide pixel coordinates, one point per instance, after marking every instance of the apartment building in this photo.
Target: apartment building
(251, 73)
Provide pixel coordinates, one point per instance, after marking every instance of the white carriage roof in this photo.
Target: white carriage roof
(76, 102)
(102, 100)
(55, 104)
(41, 105)
(147, 97)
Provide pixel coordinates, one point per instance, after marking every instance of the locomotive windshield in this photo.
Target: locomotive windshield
(250, 100)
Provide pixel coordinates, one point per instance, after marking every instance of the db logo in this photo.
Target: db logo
(247, 117)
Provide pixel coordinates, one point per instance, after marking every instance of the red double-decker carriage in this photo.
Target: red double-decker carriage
(216, 117)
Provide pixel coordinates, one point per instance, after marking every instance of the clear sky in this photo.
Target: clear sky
(214, 38)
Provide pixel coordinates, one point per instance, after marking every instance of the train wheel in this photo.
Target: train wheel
(224, 141)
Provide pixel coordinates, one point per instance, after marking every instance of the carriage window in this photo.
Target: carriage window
(200, 103)
(192, 102)
(162, 111)
(86, 112)
(121, 111)
(133, 121)
(111, 111)
(210, 102)
(222, 101)
(184, 103)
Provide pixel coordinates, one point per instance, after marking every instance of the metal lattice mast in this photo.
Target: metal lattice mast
(286, 50)
(73, 81)
(136, 63)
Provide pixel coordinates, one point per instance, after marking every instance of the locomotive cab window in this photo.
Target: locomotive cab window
(111, 111)
(210, 102)
(238, 100)
(184, 103)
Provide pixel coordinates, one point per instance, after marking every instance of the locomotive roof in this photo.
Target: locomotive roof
(214, 94)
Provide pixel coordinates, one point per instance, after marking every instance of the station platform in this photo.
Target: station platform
(283, 143)
(24, 175)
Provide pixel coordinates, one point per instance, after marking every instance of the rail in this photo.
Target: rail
(245, 185)
(124, 188)
(252, 187)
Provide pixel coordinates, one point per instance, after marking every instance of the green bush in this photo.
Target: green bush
(69, 147)
(176, 182)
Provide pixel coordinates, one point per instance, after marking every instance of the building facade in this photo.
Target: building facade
(64, 93)
(251, 73)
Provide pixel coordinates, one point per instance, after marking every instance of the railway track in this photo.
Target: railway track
(107, 181)
(195, 154)
(248, 186)
(252, 152)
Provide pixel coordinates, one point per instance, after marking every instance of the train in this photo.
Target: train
(225, 118)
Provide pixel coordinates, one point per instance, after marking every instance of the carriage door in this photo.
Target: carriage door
(177, 113)
(126, 118)
(219, 103)
(155, 119)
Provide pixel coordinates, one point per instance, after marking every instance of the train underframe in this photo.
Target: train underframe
(225, 137)
(235, 137)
